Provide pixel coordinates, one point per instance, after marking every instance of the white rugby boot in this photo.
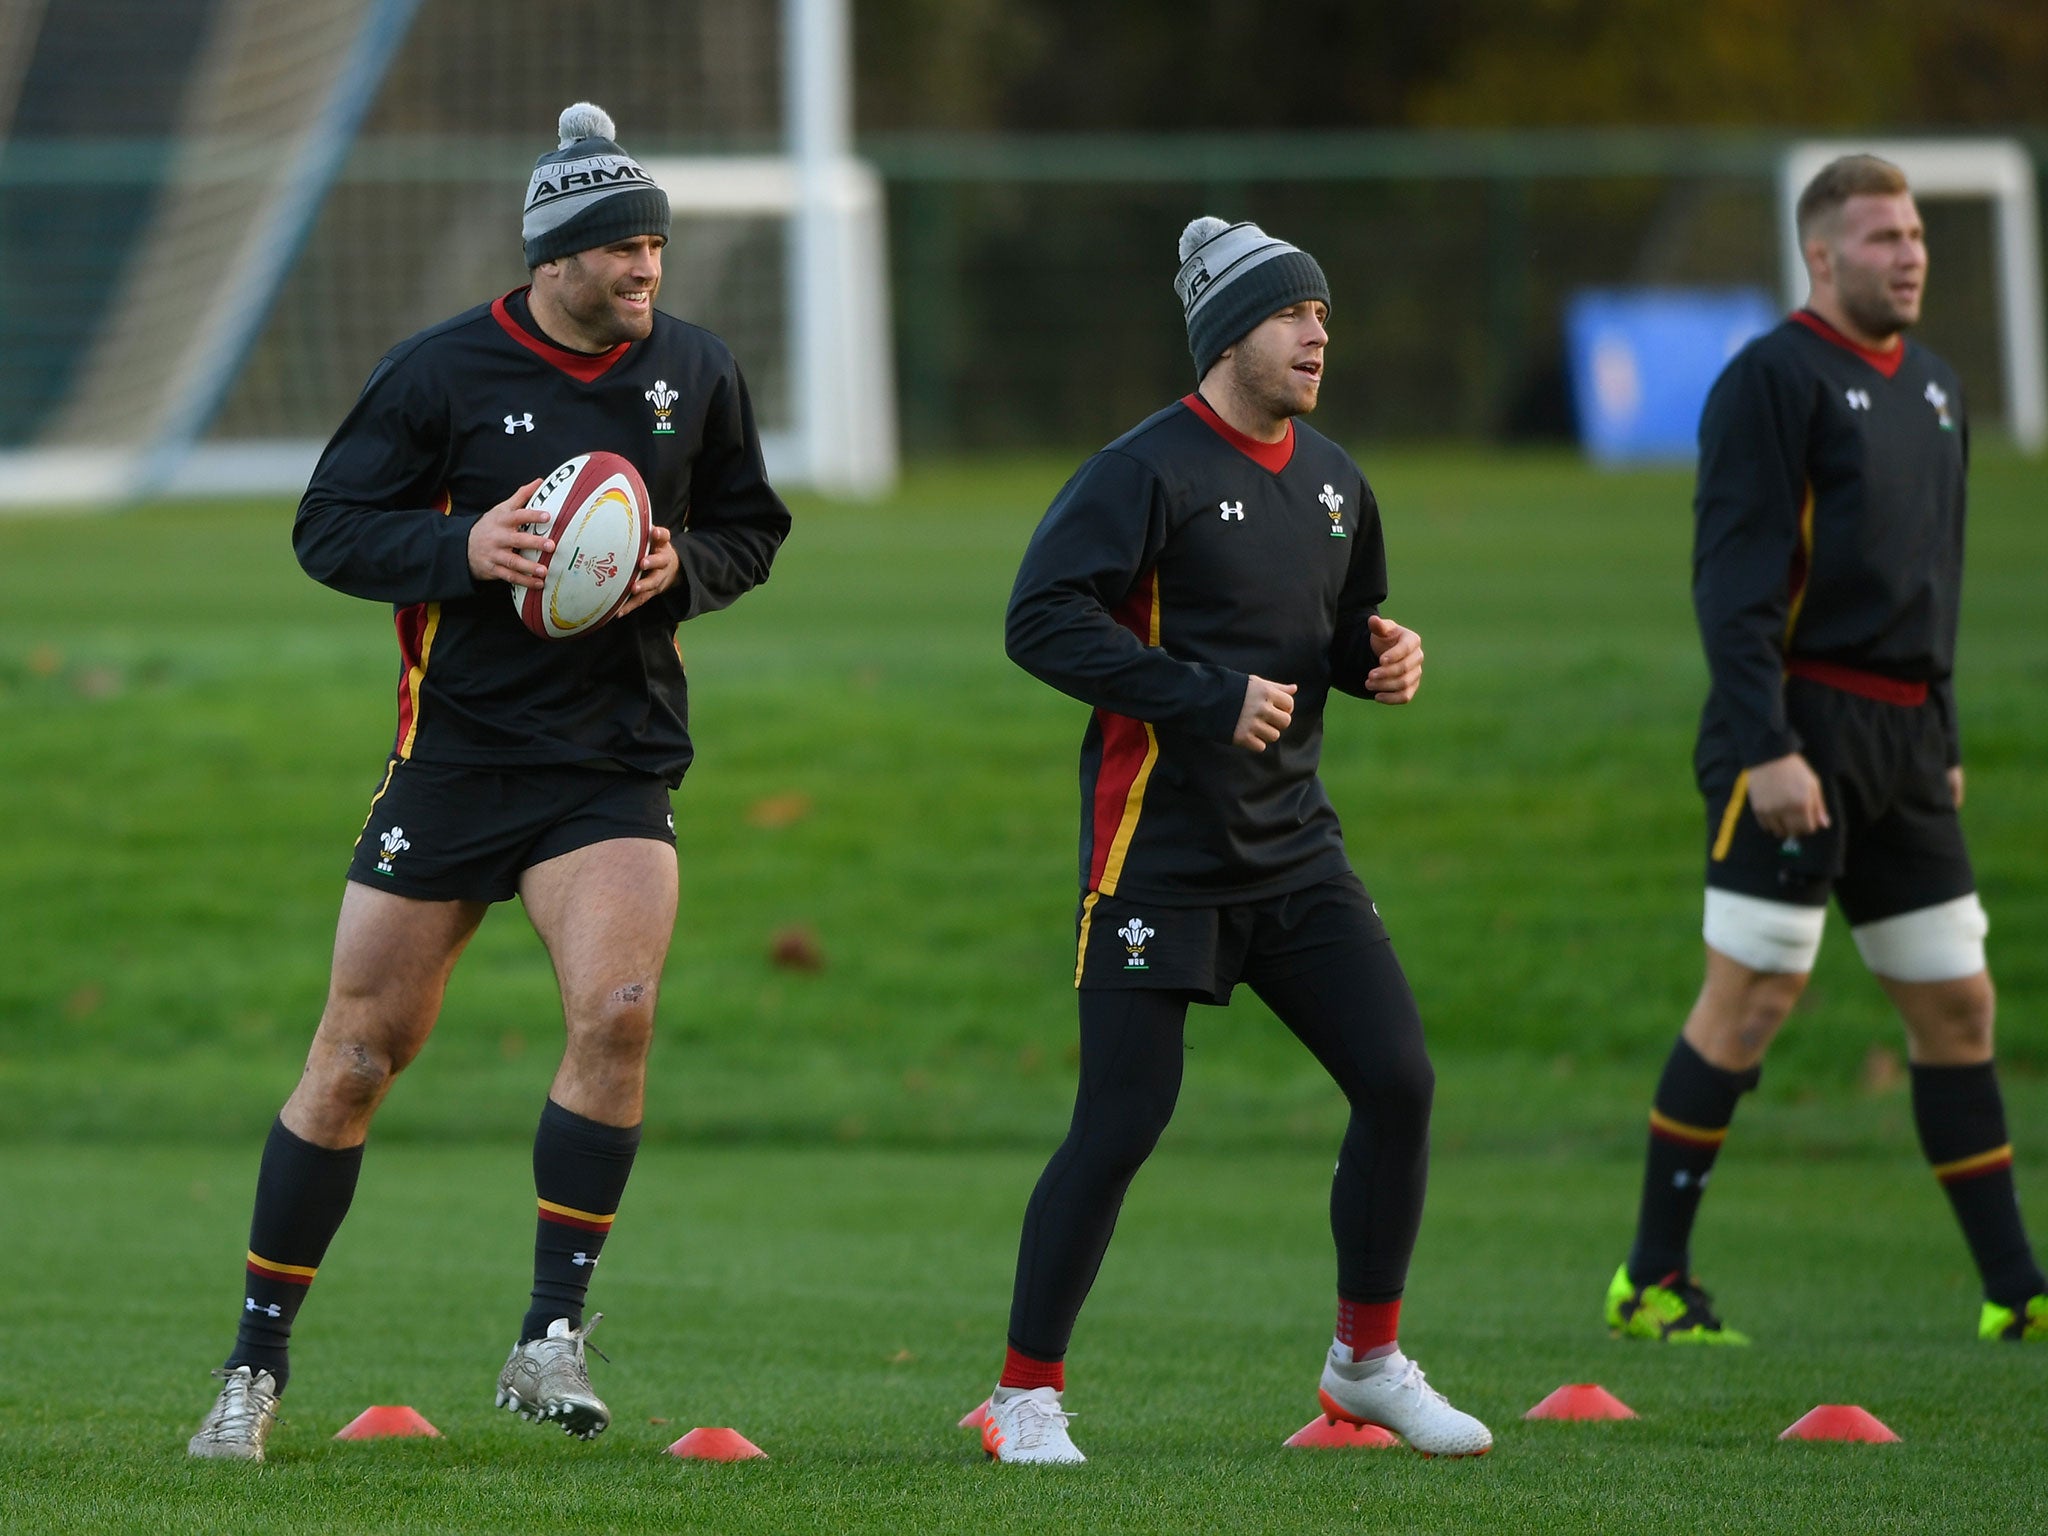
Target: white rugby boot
(1392, 1393)
(546, 1379)
(1027, 1424)
(240, 1419)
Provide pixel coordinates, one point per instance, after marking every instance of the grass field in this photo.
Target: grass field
(817, 1244)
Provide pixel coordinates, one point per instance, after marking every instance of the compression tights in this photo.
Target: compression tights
(1356, 1016)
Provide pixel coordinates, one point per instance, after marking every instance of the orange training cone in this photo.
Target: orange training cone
(1839, 1421)
(715, 1445)
(1581, 1400)
(1324, 1433)
(976, 1416)
(384, 1422)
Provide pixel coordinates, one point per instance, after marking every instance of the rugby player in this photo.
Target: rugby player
(520, 766)
(1204, 583)
(1827, 574)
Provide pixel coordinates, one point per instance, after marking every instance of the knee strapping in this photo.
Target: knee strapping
(1940, 943)
(1775, 937)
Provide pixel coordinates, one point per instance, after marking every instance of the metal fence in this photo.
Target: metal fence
(1035, 276)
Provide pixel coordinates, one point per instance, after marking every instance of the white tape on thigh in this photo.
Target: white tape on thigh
(1940, 943)
(1772, 936)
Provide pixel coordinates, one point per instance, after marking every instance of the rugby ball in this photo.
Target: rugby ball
(595, 509)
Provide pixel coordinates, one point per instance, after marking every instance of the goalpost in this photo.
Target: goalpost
(283, 253)
(1998, 169)
(842, 381)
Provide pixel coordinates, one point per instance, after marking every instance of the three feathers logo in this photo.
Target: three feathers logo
(1334, 505)
(1134, 934)
(663, 399)
(393, 843)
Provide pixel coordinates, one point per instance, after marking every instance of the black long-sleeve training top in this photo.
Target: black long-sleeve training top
(1828, 533)
(1178, 562)
(456, 419)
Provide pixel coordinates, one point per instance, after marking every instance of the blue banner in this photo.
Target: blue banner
(1643, 359)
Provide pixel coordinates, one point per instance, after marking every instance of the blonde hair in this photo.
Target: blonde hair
(1840, 180)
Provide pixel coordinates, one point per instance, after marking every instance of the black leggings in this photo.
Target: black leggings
(1356, 1016)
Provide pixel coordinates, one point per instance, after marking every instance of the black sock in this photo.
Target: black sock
(1689, 1120)
(580, 1168)
(1961, 1119)
(302, 1194)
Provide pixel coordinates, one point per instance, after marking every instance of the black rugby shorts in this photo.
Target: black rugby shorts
(1204, 952)
(1895, 844)
(444, 832)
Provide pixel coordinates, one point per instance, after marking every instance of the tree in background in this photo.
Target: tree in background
(1035, 65)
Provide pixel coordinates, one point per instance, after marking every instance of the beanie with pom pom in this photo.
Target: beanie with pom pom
(588, 192)
(1232, 276)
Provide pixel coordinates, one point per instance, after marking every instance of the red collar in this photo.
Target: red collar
(1886, 363)
(1271, 457)
(586, 366)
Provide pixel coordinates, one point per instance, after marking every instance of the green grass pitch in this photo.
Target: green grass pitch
(816, 1246)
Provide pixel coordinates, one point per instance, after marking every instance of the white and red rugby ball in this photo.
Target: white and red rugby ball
(595, 509)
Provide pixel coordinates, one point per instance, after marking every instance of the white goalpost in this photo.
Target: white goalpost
(842, 436)
(284, 252)
(1997, 169)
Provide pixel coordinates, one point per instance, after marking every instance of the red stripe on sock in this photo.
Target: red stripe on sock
(1364, 1325)
(1023, 1371)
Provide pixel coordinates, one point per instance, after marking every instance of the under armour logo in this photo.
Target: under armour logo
(1859, 399)
(519, 423)
(1232, 510)
(582, 1259)
(273, 1310)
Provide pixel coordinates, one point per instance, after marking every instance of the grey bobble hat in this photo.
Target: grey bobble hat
(1232, 276)
(588, 192)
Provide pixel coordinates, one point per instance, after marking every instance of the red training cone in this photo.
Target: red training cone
(1581, 1400)
(715, 1445)
(1839, 1421)
(383, 1422)
(1323, 1433)
(975, 1417)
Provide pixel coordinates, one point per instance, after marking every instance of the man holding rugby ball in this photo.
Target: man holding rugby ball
(520, 766)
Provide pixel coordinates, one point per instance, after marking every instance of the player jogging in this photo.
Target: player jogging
(1827, 570)
(521, 766)
(1204, 582)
